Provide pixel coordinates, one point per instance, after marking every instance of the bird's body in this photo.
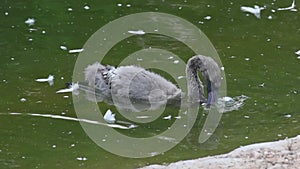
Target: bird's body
(125, 85)
(130, 84)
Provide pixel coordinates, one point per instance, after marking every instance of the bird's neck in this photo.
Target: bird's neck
(195, 87)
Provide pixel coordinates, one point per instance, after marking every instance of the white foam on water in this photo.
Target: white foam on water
(228, 104)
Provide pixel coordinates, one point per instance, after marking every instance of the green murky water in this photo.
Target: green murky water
(258, 56)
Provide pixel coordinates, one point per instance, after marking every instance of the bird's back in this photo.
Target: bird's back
(140, 84)
(128, 85)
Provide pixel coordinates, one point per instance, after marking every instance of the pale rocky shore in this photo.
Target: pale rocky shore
(283, 154)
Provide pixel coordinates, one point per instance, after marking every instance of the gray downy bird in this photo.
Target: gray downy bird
(127, 85)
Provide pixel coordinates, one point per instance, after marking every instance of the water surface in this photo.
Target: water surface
(258, 56)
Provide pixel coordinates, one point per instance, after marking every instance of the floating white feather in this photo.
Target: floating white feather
(138, 32)
(76, 50)
(30, 21)
(290, 8)
(50, 80)
(109, 117)
(73, 88)
(255, 11)
(167, 117)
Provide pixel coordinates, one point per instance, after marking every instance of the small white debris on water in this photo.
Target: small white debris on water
(171, 57)
(180, 77)
(70, 9)
(53, 146)
(222, 68)
(63, 47)
(81, 158)
(73, 88)
(207, 17)
(109, 117)
(50, 80)
(66, 97)
(32, 29)
(43, 32)
(255, 11)
(290, 8)
(246, 117)
(14, 113)
(279, 135)
(72, 145)
(23, 100)
(262, 85)
(154, 153)
(297, 52)
(142, 117)
(138, 32)
(170, 139)
(288, 116)
(298, 57)
(246, 137)
(247, 59)
(86, 7)
(167, 117)
(76, 50)
(128, 5)
(5, 13)
(30, 21)
(177, 117)
(270, 17)
(176, 61)
(119, 5)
